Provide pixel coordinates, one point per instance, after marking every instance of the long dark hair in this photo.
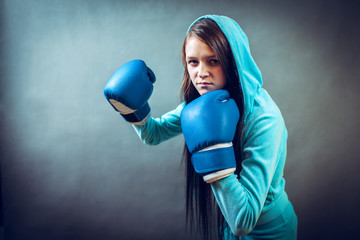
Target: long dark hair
(201, 207)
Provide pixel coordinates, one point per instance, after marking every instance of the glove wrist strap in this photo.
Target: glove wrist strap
(213, 160)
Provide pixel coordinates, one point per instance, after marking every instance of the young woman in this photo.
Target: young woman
(249, 200)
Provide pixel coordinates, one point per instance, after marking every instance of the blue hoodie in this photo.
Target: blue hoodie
(251, 203)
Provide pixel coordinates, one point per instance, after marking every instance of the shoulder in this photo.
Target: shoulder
(264, 107)
(265, 114)
(180, 107)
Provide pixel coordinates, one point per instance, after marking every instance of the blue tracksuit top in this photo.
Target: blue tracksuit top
(258, 196)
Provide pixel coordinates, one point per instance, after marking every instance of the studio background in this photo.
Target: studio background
(72, 168)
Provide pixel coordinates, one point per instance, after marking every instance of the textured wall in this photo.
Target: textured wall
(71, 168)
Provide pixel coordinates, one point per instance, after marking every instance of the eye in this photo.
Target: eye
(214, 62)
(192, 62)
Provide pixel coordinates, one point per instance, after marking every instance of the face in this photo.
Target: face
(203, 66)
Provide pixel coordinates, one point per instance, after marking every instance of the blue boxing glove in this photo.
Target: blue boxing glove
(209, 124)
(129, 89)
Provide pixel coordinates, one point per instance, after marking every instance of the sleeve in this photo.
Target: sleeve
(241, 200)
(157, 130)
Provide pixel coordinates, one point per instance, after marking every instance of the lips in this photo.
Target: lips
(204, 83)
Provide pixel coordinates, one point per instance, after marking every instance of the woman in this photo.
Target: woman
(250, 203)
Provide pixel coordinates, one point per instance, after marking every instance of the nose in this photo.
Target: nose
(203, 71)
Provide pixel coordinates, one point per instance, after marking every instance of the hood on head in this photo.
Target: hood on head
(249, 73)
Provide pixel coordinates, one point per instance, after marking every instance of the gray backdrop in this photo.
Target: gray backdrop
(72, 168)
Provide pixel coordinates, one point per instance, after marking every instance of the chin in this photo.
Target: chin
(203, 91)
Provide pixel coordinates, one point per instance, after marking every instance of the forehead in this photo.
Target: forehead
(195, 47)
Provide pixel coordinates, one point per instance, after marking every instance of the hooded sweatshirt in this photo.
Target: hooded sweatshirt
(257, 196)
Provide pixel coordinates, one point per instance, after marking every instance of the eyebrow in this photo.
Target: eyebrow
(190, 57)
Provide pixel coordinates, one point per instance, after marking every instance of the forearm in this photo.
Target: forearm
(239, 207)
(157, 130)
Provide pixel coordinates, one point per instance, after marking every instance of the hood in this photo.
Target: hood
(249, 73)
